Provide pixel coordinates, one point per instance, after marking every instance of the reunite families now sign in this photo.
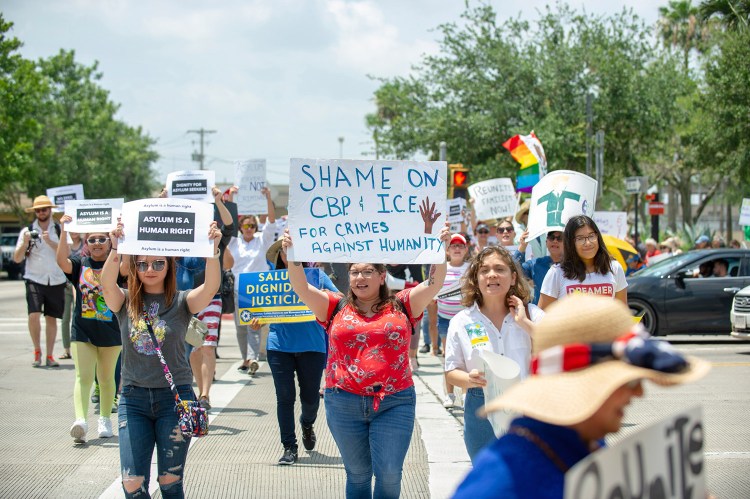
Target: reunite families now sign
(367, 211)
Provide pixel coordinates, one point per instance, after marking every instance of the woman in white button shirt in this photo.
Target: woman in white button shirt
(499, 318)
(249, 253)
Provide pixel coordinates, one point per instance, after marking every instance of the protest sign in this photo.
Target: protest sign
(268, 296)
(745, 212)
(367, 211)
(456, 213)
(614, 223)
(662, 460)
(494, 198)
(191, 184)
(501, 373)
(250, 177)
(167, 227)
(59, 195)
(557, 197)
(93, 215)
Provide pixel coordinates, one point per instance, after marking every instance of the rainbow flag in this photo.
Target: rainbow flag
(527, 150)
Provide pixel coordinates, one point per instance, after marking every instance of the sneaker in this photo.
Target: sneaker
(253, 367)
(289, 457)
(425, 349)
(51, 362)
(114, 406)
(204, 402)
(95, 395)
(308, 437)
(243, 368)
(78, 431)
(37, 358)
(439, 351)
(105, 428)
(449, 401)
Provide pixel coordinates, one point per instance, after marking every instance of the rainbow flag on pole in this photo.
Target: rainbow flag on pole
(527, 150)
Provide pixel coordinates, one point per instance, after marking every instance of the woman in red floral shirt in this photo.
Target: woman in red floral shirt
(369, 396)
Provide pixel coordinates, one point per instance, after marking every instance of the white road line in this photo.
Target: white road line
(222, 395)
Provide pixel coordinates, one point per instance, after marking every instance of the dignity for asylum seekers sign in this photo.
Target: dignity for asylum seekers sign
(167, 227)
(60, 195)
(191, 184)
(661, 460)
(268, 297)
(93, 215)
(367, 211)
(250, 177)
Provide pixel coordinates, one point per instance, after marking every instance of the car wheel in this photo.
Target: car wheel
(641, 308)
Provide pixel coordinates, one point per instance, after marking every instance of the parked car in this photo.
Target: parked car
(8, 246)
(740, 314)
(674, 297)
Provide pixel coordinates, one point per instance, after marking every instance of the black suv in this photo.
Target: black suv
(8, 245)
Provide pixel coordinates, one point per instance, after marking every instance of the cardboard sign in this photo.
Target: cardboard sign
(191, 184)
(501, 373)
(662, 460)
(367, 211)
(59, 195)
(93, 215)
(745, 212)
(557, 197)
(614, 223)
(269, 297)
(250, 177)
(167, 227)
(494, 198)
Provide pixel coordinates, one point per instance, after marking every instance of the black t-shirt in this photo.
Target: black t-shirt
(93, 321)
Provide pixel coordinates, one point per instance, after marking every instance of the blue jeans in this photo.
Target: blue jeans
(309, 368)
(147, 417)
(478, 431)
(371, 441)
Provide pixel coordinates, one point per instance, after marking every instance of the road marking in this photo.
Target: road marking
(730, 364)
(728, 455)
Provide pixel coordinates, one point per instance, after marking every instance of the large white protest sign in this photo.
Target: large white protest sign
(93, 215)
(662, 460)
(745, 212)
(367, 211)
(557, 197)
(494, 198)
(250, 177)
(191, 184)
(59, 195)
(501, 373)
(167, 227)
(614, 223)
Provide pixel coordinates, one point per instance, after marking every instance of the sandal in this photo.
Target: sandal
(66, 356)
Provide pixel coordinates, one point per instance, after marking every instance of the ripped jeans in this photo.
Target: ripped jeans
(147, 417)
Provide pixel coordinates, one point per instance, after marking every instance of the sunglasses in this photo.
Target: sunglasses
(41, 210)
(483, 232)
(249, 226)
(505, 229)
(156, 265)
(97, 240)
(555, 238)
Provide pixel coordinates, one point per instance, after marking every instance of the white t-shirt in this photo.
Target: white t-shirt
(471, 330)
(251, 256)
(556, 285)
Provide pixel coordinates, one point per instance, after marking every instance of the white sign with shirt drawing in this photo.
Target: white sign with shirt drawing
(557, 197)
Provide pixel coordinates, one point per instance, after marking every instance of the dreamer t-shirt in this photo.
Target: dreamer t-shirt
(556, 285)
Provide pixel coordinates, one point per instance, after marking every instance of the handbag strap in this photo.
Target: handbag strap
(167, 372)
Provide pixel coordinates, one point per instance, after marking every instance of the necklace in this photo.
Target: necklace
(542, 445)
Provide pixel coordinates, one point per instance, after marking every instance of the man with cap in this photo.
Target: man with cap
(589, 361)
(45, 282)
(702, 242)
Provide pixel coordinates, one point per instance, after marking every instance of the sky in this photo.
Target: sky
(275, 79)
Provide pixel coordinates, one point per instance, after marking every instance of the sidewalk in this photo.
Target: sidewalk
(238, 457)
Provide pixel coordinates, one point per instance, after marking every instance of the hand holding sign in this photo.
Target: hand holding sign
(477, 379)
(116, 234)
(429, 215)
(214, 234)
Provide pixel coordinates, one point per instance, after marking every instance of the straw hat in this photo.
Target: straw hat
(39, 203)
(524, 208)
(571, 397)
(272, 255)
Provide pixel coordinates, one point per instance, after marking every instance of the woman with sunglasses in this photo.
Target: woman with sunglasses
(249, 253)
(506, 234)
(536, 269)
(369, 397)
(586, 266)
(146, 414)
(497, 318)
(95, 338)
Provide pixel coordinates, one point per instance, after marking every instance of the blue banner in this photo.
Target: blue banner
(268, 296)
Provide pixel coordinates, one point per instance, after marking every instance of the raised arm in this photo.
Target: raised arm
(420, 296)
(315, 299)
(271, 208)
(63, 250)
(200, 297)
(114, 297)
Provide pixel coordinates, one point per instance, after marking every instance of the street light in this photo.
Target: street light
(341, 147)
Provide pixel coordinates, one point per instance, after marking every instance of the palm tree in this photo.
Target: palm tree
(732, 13)
(681, 27)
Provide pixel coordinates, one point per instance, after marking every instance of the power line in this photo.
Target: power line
(199, 157)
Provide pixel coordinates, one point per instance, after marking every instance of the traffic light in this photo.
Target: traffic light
(459, 181)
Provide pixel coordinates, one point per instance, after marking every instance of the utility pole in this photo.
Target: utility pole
(600, 161)
(200, 157)
(341, 147)
(443, 151)
(589, 131)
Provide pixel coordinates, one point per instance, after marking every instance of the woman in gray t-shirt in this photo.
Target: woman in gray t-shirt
(146, 413)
